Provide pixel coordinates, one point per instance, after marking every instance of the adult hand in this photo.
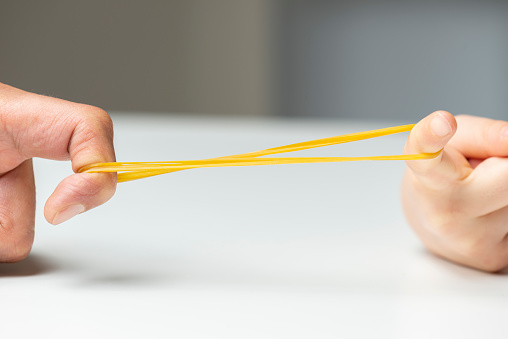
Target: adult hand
(457, 203)
(33, 125)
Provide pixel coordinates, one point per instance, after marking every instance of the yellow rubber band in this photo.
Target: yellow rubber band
(128, 171)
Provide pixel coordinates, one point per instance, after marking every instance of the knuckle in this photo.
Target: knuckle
(442, 226)
(483, 255)
(472, 247)
(93, 131)
(97, 119)
(13, 247)
(93, 188)
(6, 226)
(14, 254)
(445, 221)
(104, 120)
(85, 186)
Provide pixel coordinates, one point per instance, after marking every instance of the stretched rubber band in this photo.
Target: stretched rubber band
(128, 171)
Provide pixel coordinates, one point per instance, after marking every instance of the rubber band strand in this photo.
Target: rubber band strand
(128, 171)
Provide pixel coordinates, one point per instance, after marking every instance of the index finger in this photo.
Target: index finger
(91, 141)
(481, 138)
(40, 126)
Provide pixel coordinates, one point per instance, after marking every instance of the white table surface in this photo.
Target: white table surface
(290, 251)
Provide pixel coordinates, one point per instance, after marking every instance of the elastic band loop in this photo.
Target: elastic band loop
(128, 171)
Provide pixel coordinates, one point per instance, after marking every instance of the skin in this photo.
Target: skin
(458, 203)
(33, 125)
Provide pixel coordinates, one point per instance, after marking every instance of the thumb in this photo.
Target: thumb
(59, 130)
(430, 135)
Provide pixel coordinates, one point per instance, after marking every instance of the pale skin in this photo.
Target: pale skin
(31, 126)
(458, 203)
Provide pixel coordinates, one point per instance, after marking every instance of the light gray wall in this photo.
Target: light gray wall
(323, 58)
(170, 56)
(395, 59)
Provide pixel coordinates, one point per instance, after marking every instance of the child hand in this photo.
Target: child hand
(457, 203)
(33, 125)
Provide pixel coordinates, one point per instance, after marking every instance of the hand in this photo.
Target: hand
(33, 125)
(457, 203)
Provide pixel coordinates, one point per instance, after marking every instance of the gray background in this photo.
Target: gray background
(168, 56)
(352, 59)
(394, 58)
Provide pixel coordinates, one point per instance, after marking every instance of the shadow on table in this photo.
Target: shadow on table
(119, 280)
(85, 276)
(33, 265)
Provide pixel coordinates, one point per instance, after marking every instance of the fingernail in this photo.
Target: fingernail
(439, 126)
(68, 213)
